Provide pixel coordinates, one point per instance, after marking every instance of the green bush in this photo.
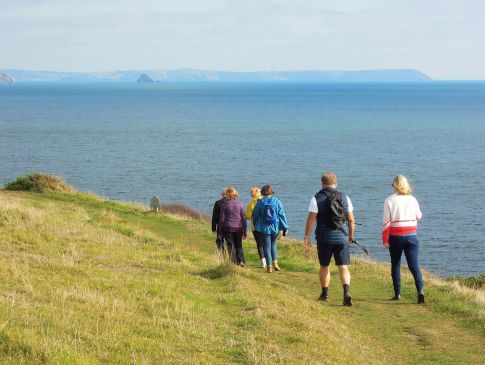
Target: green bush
(39, 182)
(475, 282)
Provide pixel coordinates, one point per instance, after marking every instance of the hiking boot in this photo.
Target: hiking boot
(276, 267)
(420, 298)
(323, 298)
(269, 269)
(262, 264)
(347, 301)
(396, 297)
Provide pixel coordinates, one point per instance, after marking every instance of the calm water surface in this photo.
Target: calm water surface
(184, 142)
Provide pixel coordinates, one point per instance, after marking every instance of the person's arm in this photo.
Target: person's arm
(222, 216)
(249, 210)
(215, 216)
(386, 225)
(282, 222)
(244, 223)
(419, 215)
(351, 225)
(310, 221)
(256, 212)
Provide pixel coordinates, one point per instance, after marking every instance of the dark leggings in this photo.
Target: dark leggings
(410, 246)
(234, 246)
(258, 237)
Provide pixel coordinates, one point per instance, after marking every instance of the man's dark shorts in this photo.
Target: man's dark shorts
(341, 254)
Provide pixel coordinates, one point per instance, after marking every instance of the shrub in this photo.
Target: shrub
(474, 282)
(183, 210)
(39, 182)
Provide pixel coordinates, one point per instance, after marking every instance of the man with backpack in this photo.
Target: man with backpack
(331, 209)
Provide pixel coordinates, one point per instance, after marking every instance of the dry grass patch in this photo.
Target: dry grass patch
(183, 211)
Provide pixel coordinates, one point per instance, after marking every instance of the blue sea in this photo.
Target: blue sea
(185, 141)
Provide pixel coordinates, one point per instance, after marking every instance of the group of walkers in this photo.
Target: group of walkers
(268, 221)
(331, 211)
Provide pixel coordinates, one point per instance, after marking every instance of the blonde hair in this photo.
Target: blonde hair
(402, 186)
(255, 192)
(232, 193)
(329, 178)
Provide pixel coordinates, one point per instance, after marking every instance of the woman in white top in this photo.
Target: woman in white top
(401, 215)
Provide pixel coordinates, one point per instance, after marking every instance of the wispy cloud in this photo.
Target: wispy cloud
(441, 37)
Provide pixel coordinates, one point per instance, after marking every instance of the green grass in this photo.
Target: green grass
(474, 282)
(87, 281)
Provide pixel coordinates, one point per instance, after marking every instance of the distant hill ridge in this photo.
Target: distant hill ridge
(401, 75)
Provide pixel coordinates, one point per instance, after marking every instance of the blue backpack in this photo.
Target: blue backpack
(270, 215)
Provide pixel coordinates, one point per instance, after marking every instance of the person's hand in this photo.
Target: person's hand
(285, 232)
(308, 243)
(244, 236)
(386, 244)
(351, 238)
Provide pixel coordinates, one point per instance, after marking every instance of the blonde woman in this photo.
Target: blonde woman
(401, 215)
(255, 193)
(232, 222)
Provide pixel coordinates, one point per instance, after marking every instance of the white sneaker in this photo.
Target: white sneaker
(263, 263)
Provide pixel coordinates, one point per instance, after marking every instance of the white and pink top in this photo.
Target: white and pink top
(401, 215)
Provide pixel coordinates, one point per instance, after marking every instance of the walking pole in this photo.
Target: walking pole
(362, 247)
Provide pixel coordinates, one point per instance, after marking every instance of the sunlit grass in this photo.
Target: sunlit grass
(84, 280)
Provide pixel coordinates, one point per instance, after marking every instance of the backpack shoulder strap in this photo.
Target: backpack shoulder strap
(321, 195)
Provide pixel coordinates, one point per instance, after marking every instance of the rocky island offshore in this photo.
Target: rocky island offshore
(6, 79)
(144, 78)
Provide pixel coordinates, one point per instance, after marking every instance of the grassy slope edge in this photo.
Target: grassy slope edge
(83, 280)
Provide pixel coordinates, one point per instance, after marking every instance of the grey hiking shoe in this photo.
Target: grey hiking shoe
(396, 297)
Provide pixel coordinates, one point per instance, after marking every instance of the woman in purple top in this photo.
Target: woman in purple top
(232, 221)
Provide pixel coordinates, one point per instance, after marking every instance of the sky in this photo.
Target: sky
(443, 38)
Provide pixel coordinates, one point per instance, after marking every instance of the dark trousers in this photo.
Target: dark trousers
(258, 237)
(410, 246)
(234, 246)
(220, 244)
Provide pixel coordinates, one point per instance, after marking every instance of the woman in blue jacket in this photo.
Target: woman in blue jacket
(269, 219)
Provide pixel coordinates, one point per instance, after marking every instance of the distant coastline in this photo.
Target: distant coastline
(192, 75)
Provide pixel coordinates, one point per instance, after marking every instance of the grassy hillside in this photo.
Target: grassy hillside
(86, 281)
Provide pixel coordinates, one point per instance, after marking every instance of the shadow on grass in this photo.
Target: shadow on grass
(220, 271)
(386, 301)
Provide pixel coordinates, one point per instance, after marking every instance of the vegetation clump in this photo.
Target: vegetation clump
(474, 282)
(39, 182)
(183, 210)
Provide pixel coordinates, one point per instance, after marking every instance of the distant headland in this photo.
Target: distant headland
(192, 75)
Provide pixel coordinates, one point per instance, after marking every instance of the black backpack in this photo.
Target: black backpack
(334, 215)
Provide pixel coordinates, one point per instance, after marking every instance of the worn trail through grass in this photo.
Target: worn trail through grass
(83, 280)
